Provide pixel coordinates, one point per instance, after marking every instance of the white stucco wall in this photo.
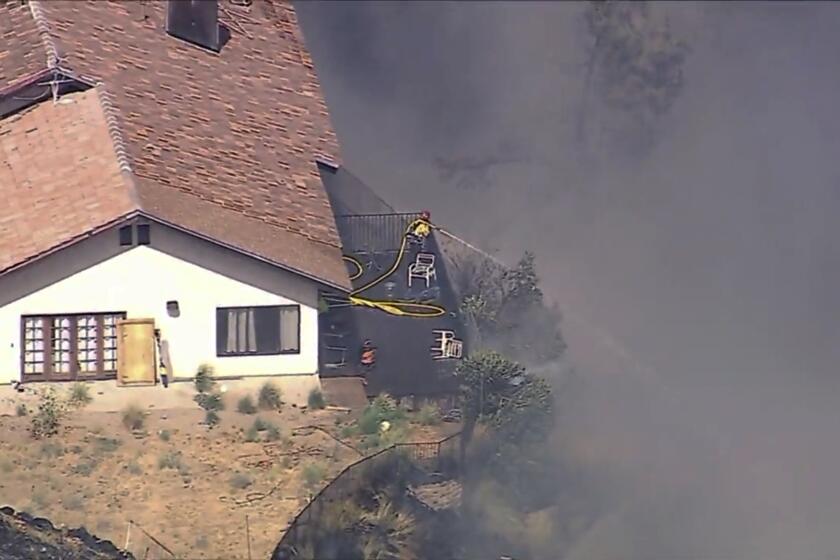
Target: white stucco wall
(140, 280)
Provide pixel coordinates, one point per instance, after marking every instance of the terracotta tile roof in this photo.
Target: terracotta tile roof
(59, 177)
(223, 144)
(21, 50)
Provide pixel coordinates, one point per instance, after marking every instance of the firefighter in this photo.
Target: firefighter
(368, 359)
(420, 229)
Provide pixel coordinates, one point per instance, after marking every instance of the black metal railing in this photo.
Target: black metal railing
(438, 459)
(373, 233)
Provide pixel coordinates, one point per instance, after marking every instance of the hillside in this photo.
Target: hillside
(23, 537)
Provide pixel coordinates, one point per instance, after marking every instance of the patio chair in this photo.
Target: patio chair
(423, 268)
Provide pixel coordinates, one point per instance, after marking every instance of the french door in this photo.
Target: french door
(69, 347)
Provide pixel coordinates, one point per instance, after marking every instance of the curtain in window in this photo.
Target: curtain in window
(241, 331)
(289, 329)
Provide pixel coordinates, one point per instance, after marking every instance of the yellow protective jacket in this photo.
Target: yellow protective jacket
(421, 228)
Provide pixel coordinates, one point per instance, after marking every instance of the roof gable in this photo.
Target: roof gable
(59, 177)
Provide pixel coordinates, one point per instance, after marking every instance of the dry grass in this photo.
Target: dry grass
(313, 475)
(79, 395)
(180, 487)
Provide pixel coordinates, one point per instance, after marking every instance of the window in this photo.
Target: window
(258, 331)
(126, 236)
(143, 236)
(63, 347)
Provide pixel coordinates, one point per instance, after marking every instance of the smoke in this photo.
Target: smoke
(698, 277)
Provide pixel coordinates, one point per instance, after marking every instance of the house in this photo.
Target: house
(158, 171)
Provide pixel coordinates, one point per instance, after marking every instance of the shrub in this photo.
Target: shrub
(252, 435)
(208, 398)
(369, 421)
(269, 397)
(211, 418)
(204, 381)
(201, 542)
(171, 460)
(134, 468)
(52, 450)
(106, 445)
(313, 474)
(395, 434)
(51, 411)
(240, 481)
(388, 407)
(133, 418)
(74, 502)
(79, 396)
(86, 466)
(164, 435)
(316, 400)
(272, 434)
(428, 415)
(6, 467)
(21, 410)
(383, 408)
(246, 405)
(210, 401)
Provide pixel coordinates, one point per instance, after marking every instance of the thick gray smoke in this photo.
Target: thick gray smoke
(699, 276)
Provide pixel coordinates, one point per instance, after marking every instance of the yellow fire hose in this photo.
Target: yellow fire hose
(399, 308)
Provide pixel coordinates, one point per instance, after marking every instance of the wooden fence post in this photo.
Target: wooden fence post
(248, 535)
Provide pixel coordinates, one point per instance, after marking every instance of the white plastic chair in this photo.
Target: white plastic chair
(423, 268)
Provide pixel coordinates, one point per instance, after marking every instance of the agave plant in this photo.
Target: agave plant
(389, 533)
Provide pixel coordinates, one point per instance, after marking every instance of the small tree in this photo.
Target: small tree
(500, 393)
(204, 382)
(635, 65)
(51, 412)
(207, 396)
(505, 309)
(637, 57)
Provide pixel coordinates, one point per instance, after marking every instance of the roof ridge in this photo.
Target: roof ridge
(114, 130)
(111, 114)
(43, 26)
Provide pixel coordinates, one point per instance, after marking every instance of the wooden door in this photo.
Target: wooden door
(136, 352)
